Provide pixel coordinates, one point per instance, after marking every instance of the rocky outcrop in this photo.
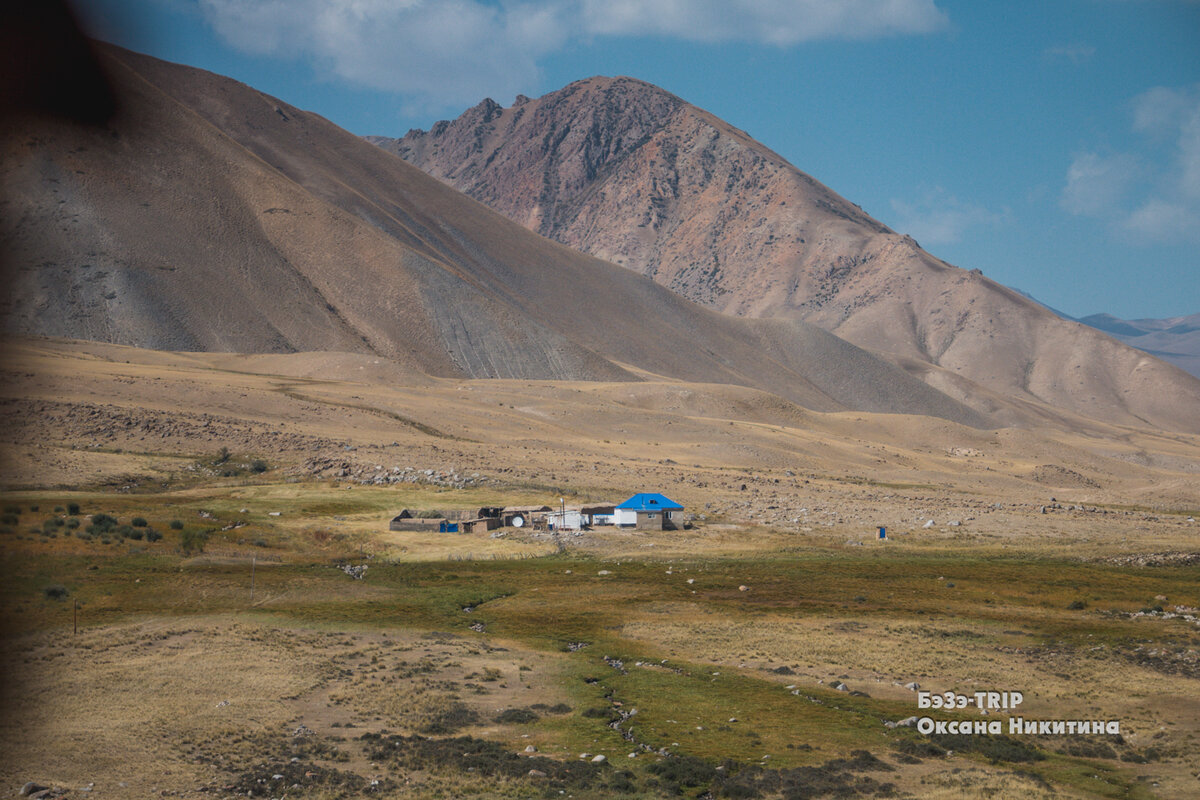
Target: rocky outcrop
(211, 217)
(627, 172)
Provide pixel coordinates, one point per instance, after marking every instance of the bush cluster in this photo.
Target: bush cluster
(478, 756)
(193, 540)
(997, 748)
(516, 716)
(836, 778)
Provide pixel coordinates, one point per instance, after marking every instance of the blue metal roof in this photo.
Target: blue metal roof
(649, 501)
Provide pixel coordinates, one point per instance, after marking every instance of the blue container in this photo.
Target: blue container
(882, 532)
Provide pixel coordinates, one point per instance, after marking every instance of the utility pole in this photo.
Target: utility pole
(75, 605)
(562, 523)
(253, 559)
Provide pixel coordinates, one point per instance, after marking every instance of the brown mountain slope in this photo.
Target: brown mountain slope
(212, 217)
(1175, 340)
(625, 171)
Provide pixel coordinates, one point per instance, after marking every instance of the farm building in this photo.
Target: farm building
(599, 514)
(568, 519)
(576, 518)
(523, 516)
(648, 511)
(571, 518)
(479, 525)
(412, 520)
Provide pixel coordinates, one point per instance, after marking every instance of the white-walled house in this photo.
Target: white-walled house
(648, 511)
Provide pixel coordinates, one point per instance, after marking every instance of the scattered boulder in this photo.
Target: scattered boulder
(1054, 475)
(356, 572)
(907, 722)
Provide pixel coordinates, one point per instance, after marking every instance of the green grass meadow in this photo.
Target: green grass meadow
(283, 570)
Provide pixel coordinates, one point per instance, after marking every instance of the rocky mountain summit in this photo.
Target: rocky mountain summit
(630, 173)
(211, 217)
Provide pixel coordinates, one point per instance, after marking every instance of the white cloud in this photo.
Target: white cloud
(1076, 53)
(1154, 195)
(1097, 184)
(1174, 115)
(441, 53)
(778, 22)
(1160, 110)
(444, 53)
(1159, 220)
(941, 218)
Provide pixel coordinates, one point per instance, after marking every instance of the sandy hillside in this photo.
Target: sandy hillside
(78, 413)
(628, 172)
(210, 217)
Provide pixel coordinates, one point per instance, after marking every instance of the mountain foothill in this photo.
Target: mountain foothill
(606, 232)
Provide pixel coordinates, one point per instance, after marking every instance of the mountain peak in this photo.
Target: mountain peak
(632, 174)
(213, 217)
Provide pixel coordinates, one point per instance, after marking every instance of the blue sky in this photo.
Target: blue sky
(1054, 144)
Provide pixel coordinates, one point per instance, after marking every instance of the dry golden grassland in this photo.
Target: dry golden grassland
(221, 643)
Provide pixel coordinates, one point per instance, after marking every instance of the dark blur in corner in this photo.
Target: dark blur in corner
(48, 66)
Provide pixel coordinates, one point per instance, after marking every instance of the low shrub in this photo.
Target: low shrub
(997, 748)
(55, 591)
(1088, 748)
(683, 772)
(622, 783)
(138, 522)
(922, 748)
(836, 778)
(104, 522)
(193, 541)
(516, 716)
(479, 757)
(449, 718)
